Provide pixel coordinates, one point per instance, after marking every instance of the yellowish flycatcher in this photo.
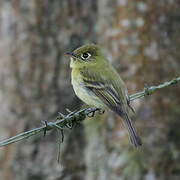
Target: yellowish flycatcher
(98, 84)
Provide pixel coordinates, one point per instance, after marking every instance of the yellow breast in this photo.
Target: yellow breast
(86, 95)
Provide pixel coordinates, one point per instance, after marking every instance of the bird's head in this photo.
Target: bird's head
(87, 55)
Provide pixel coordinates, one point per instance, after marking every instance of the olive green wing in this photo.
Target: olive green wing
(110, 89)
(106, 87)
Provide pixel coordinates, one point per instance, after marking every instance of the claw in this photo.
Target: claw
(91, 112)
(101, 111)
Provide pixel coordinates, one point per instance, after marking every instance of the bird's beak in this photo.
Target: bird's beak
(71, 54)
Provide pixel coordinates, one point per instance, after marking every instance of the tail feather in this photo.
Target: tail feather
(135, 139)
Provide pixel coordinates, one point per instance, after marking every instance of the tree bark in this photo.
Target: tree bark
(140, 38)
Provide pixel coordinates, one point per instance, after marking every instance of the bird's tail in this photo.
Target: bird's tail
(135, 139)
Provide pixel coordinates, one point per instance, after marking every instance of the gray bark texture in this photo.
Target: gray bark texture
(140, 38)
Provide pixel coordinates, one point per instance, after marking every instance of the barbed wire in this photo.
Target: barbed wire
(68, 121)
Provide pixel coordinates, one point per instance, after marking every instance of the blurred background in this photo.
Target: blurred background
(140, 37)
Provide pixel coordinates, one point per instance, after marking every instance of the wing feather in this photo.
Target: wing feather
(105, 89)
(110, 92)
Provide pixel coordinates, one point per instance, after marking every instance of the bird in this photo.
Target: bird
(96, 82)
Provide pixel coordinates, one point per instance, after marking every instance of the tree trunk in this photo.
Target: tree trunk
(141, 38)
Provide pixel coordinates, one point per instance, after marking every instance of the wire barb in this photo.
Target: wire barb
(59, 143)
(46, 125)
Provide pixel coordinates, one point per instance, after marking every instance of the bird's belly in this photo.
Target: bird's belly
(87, 96)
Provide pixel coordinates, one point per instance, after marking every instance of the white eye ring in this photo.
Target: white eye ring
(85, 55)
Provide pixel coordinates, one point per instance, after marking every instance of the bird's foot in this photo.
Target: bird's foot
(101, 111)
(91, 111)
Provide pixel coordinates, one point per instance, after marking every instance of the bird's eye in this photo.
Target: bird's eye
(85, 55)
